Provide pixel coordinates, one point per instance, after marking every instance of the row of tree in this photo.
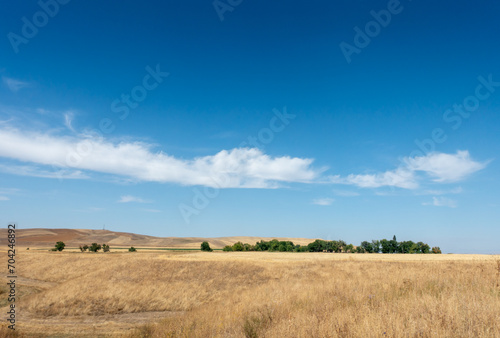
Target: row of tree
(319, 245)
(94, 247)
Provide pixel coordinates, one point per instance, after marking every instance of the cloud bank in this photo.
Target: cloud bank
(236, 168)
(73, 157)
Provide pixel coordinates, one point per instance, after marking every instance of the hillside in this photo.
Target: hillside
(39, 237)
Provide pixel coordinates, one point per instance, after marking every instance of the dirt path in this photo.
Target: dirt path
(115, 325)
(89, 326)
(35, 283)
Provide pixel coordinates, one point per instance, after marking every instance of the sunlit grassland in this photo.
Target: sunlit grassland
(266, 294)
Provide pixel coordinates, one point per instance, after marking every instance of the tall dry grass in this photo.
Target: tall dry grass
(354, 299)
(275, 294)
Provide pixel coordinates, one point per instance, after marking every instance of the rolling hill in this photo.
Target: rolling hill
(41, 237)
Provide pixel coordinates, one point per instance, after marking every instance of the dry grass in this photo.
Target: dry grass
(254, 294)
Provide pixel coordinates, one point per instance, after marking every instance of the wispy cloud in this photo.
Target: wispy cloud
(454, 191)
(9, 191)
(130, 198)
(235, 168)
(7, 121)
(4, 198)
(68, 120)
(441, 167)
(323, 201)
(15, 85)
(442, 202)
(35, 171)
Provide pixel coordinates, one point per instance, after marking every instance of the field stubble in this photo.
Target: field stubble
(253, 294)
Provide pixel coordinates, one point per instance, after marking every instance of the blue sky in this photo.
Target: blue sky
(335, 120)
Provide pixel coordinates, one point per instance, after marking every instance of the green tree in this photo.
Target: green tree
(285, 246)
(59, 246)
(406, 246)
(301, 248)
(425, 248)
(385, 245)
(262, 246)
(367, 246)
(105, 248)
(238, 246)
(227, 248)
(132, 249)
(436, 250)
(95, 247)
(349, 248)
(376, 245)
(205, 247)
(274, 245)
(394, 245)
(317, 246)
(360, 249)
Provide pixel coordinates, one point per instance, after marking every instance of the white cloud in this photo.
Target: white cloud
(323, 201)
(441, 167)
(129, 198)
(400, 177)
(445, 167)
(442, 202)
(14, 85)
(236, 168)
(4, 198)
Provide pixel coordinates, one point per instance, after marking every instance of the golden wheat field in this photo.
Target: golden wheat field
(252, 294)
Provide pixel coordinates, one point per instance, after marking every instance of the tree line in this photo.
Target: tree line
(319, 245)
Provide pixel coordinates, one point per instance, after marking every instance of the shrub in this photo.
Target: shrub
(436, 250)
(227, 248)
(205, 247)
(238, 246)
(95, 247)
(59, 246)
(105, 248)
(132, 249)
